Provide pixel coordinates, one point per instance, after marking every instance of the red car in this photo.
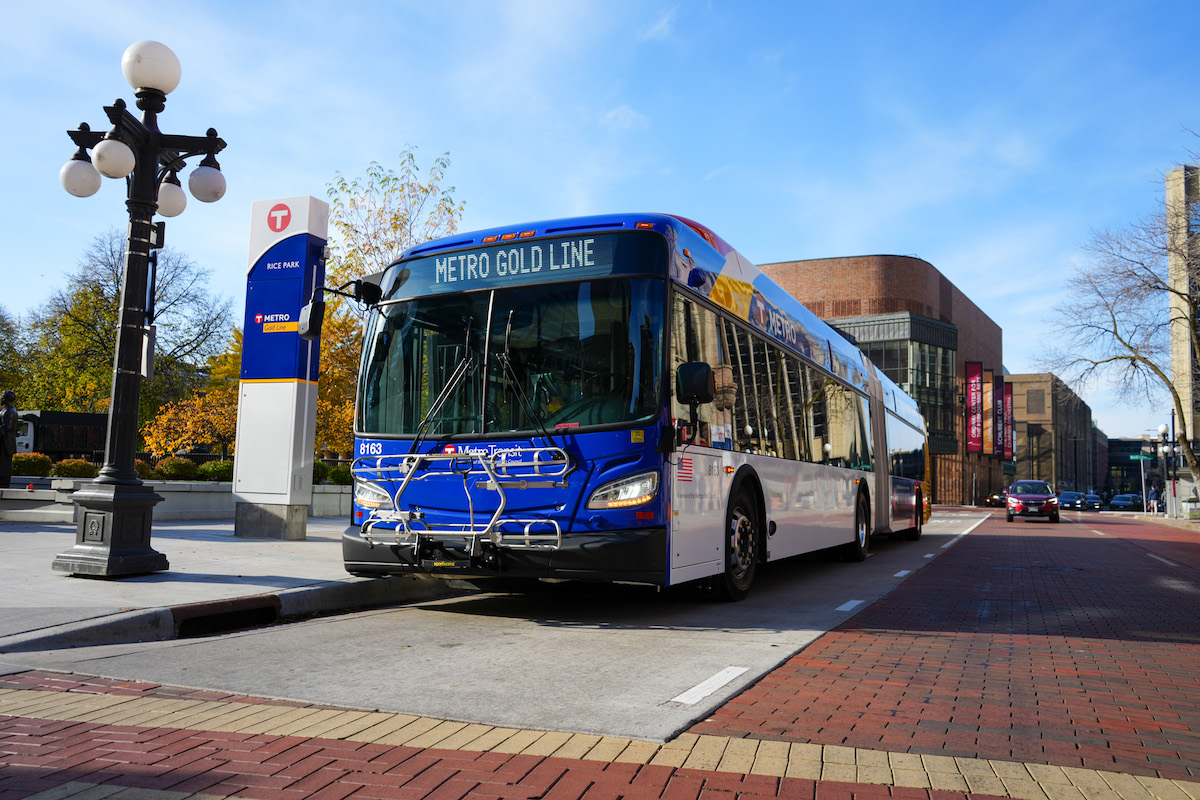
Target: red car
(1031, 499)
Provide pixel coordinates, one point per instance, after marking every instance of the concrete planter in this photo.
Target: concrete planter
(50, 500)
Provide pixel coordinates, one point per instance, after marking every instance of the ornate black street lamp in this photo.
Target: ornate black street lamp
(114, 511)
(1170, 449)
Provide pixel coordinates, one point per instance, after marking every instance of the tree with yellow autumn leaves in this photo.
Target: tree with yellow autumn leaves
(373, 220)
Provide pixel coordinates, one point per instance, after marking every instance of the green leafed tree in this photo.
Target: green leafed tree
(68, 344)
(10, 373)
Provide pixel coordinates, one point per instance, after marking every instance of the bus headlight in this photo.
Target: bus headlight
(628, 492)
(371, 495)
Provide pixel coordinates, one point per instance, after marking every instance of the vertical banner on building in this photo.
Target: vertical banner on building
(974, 406)
(989, 417)
(1009, 432)
(998, 412)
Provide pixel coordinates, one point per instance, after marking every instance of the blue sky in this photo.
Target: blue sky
(988, 139)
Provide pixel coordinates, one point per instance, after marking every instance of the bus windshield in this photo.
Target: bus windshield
(520, 359)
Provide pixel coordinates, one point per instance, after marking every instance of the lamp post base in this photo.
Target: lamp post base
(112, 532)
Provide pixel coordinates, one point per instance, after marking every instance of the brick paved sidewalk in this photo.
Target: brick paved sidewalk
(87, 739)
(1076, 645)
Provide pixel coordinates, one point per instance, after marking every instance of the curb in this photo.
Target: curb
(209, 617)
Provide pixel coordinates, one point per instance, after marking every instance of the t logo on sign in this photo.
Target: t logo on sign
(278, 217)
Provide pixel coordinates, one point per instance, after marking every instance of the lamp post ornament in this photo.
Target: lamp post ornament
(1170, 449)
(115, 510)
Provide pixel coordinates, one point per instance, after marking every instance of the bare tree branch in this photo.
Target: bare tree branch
(1124, 303)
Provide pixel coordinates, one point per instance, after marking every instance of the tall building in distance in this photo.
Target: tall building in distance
(1183, 257)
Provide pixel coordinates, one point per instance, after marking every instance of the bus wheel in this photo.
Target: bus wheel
(857, 549)
(741, 548)
(914, 533)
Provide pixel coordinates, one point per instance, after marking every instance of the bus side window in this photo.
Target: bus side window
(694, 337)
(784, 404)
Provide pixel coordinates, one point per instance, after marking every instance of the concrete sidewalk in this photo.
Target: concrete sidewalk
(214, 577)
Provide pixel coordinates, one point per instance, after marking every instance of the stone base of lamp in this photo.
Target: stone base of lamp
(112, 532)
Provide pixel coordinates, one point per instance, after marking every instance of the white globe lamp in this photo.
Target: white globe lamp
(207, 184)
(151, 65)
(79, 178)
(113, 158)
(172, 200)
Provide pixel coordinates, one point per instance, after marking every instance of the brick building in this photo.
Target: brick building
(918, 328)
(1055, 438)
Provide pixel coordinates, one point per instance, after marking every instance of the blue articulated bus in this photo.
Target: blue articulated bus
(615, 398)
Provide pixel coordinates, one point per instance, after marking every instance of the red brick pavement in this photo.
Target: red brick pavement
(38, 755)
(1026, 641)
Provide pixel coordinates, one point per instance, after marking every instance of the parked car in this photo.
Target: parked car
(1092, 502)
(996, 499)
(1125, 502)
(1031, 499)
(1071, 500)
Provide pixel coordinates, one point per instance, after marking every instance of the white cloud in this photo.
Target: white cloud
(663, 28)
(623, 118)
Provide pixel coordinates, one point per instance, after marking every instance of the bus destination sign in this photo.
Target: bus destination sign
(525, 259)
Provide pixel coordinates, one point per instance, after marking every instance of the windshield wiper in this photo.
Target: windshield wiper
(515, 380)
(461, 370)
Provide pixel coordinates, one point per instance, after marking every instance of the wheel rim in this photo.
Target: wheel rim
(741, 545)
(861, 524)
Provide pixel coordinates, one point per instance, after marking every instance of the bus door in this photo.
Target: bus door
(882, 489)
(698, 492)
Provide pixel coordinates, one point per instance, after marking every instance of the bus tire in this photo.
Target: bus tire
(914, 533)
(857, 549)
(742, 537)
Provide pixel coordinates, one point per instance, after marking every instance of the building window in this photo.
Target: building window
(926, 372)
(1035, 401)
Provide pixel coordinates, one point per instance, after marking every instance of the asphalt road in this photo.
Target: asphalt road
(611, 660)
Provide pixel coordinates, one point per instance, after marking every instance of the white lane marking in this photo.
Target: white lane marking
(850, 605)
(903, 573)
(930, 555)
(1163, 560)
(976, 525)
(705, 688)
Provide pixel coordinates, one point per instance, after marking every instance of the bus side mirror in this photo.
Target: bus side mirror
(312, 316)
(695, 384)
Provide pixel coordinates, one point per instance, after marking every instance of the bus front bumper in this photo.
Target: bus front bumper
(636, 556)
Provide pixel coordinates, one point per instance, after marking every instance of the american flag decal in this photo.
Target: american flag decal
(684, 473)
